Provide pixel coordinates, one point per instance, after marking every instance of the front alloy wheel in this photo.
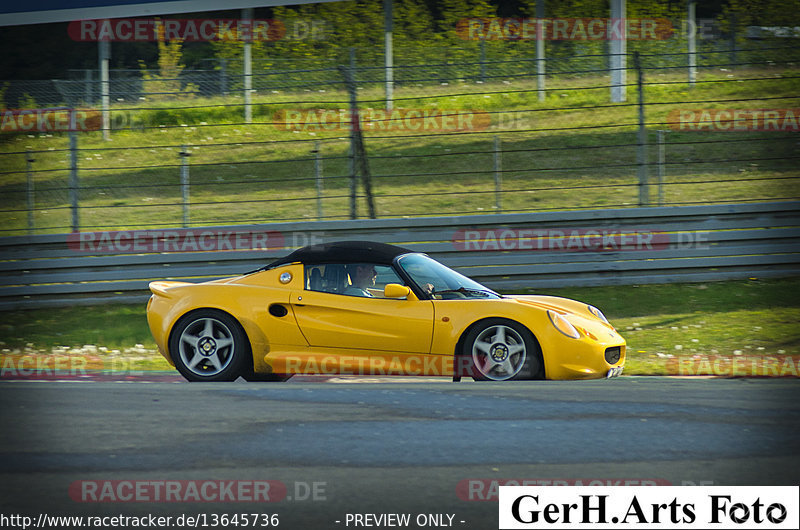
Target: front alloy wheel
(502, 350)
(209, 345)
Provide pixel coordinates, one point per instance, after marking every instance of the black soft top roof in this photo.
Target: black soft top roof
(344, 252)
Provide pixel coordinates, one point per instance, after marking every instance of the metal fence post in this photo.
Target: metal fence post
(360, 161)
(247, 14)
(498, 183)
(104, 48)
(29, 160)
(661, 161)
(540, 65)
(87, 87)
(73, 179)
(619, 50)
(184, 154)
(351, 168)
(351, 153)
(318, 173)
(733, 39)
(388, 52)
(483, 59)
(691, 30)
(641, 151)
(223, 77)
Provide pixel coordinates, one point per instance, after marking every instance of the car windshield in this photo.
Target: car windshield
(442, 282)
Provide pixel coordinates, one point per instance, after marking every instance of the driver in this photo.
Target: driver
(362, 277)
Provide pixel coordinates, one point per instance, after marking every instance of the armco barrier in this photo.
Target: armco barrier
(552, 249)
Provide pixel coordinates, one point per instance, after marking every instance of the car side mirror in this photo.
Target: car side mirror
(395, 290)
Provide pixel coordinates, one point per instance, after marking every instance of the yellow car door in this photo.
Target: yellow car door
(363, 324)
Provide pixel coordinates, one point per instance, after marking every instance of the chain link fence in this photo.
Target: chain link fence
(465, 62)
(467, 135)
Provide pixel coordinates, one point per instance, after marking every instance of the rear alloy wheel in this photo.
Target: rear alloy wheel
(502, 350)
(209, 345)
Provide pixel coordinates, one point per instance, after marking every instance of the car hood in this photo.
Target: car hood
(561, 305)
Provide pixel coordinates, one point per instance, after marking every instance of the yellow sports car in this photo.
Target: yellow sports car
(367, 308)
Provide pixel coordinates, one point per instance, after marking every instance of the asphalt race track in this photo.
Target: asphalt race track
(435, 448)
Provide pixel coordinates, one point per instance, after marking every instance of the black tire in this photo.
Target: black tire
(209, 345)
(498, 349)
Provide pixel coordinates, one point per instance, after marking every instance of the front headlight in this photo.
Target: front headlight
(563, 325)
(599, 314)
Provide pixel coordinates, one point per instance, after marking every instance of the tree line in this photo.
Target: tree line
(424, 31)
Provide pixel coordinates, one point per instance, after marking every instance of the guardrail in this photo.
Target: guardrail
(550, 249)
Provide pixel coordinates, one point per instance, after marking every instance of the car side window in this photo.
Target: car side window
(352, 279)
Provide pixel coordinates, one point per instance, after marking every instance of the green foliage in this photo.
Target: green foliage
(166, 84)
(110, 326)
(569, 8)
(27, 102)
(419, 24)
(758, 13)
(413, 23)
(424, 32)
(3, 89)
(454, 10)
